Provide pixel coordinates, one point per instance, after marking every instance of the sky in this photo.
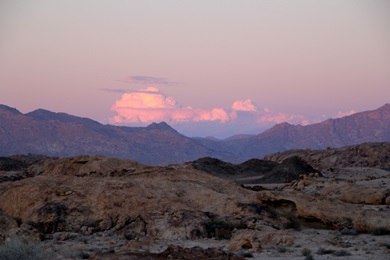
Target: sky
(207, 68)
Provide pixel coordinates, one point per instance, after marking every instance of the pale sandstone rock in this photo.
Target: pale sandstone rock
(95, 204)
(81, 195)
(354, 193)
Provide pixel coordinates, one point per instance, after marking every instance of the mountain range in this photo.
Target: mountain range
(60, 134)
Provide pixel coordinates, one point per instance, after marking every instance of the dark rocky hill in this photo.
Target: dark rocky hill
(256, 171)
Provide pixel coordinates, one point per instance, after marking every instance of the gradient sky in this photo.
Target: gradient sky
(206, 67)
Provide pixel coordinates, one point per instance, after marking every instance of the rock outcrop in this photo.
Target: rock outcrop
(106, 208)
(92, 194)
(374, 155)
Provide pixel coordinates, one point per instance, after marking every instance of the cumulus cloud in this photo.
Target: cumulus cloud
(243, 105)
(149, 105)
(343, 114)
(281, 118)
(213, 115)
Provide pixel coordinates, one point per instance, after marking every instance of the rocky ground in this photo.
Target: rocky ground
(102, 208)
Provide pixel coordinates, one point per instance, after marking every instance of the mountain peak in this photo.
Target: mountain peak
(42, 114)
(283, 125)
(160, 126)
(385, 107)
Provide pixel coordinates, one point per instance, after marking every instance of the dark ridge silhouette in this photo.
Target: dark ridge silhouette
(289, 170)
(256, 171)
(374, 155)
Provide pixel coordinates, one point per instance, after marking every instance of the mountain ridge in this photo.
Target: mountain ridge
(60, 134)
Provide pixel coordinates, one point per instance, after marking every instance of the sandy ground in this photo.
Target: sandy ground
(317, 243)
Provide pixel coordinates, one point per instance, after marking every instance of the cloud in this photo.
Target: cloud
(115, 90)
(150, 89)
(343, 114)
(214, 115)
(281, 118)
(122, 90)
(243, 105)
(149, 105)
(148, 80)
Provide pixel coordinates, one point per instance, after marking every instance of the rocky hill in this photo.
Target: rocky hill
(374, 155)
(256, 171)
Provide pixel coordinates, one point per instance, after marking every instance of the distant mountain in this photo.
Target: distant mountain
(369, 126)
(59, 134)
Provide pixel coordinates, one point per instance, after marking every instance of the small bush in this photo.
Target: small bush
(17, 248)
(323, 251)
(306, 251)
(309, 257)
(219, 229)
(246, 254)
(348, 232)
(282, 249)
(341, 253)
(83, 255)
(380, 231)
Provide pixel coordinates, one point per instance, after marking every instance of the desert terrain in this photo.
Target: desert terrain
(301, 204)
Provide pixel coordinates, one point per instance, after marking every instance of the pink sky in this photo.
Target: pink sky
(206, 67)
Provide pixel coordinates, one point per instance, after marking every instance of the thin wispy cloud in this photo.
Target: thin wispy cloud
(148, 80)
(115, 90)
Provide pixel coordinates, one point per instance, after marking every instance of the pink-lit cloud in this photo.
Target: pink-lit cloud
(243, 105)
(281, 118)
(149, 105)
(343, 114)
(214, 115)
